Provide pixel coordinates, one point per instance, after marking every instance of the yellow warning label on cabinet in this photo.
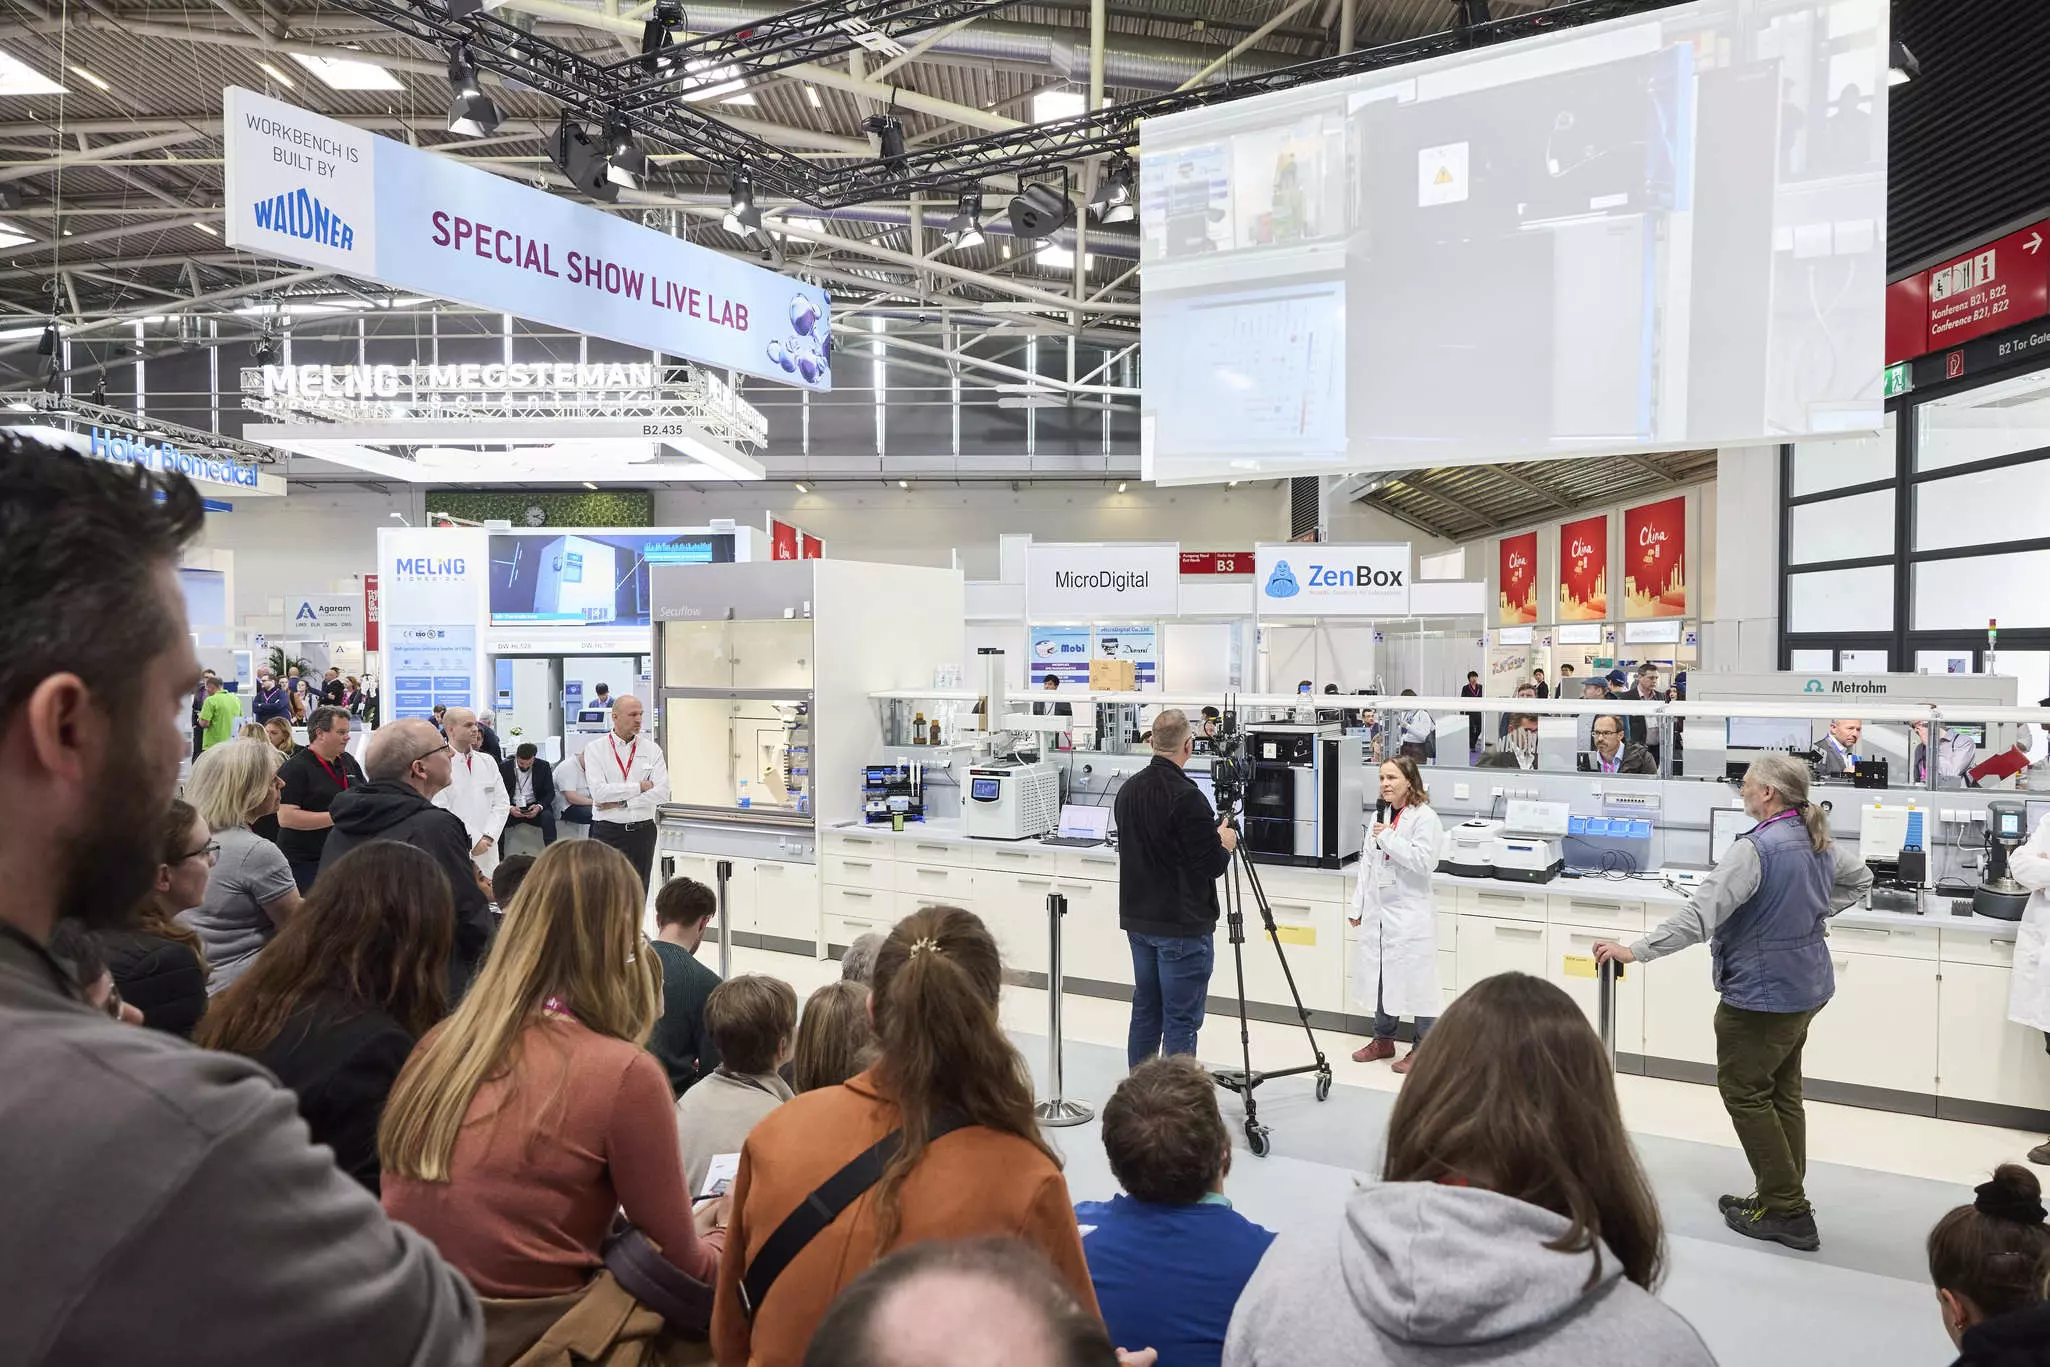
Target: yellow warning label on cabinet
(1580, 966)
(1444, 176)
(1296, 935)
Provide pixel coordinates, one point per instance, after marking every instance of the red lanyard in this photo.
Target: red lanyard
(341, 778)
(626, 765)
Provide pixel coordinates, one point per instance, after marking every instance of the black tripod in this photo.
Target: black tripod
(1244, 1080)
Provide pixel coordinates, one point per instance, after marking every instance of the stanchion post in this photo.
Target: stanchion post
(1056, 1109)
(1605, 1012)
(723, 872)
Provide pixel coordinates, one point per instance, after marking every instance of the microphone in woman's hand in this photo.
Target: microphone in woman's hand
(1381, 810)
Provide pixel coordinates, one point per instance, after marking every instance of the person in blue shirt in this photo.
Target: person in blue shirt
(1170, 1256)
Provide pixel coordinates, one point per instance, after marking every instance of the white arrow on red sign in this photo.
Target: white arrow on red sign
(2035, 241)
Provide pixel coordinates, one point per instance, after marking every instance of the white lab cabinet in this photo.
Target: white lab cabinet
(1864, 1036)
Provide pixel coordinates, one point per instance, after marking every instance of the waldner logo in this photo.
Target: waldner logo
(296, 213)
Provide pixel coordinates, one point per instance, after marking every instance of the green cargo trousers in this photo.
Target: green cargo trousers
(1758, 1072)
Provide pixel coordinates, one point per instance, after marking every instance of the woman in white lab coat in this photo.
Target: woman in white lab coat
(2028, 992)
(1395, 968)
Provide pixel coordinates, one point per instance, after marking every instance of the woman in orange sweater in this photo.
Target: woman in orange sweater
(944, 1060)
(523, 1122)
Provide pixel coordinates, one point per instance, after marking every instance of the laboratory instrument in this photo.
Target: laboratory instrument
(1305, 794)
(1470, 849)
(1998, 894)
(891, 791)
(1890, 838)
(1528, 848)
(1012, 800)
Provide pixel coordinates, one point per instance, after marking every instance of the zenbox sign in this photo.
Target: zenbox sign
(1320, 580)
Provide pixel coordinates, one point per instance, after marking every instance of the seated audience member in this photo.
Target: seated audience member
(1609, 753)
(507, 877)
(858, 964)
(1988, 1261)
(532, 1115)
(976, 1301)
(79, 950)
(161, 1202)
(157, 963)
(335, 1004)
(683, 909)
(971, 1162)
(750, 1020)
(1170, 1256)
(250, 891)
(834, 1038)
(1512, 1222)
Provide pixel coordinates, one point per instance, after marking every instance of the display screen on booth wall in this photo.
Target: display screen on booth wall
(1661, 232)
(587, 578)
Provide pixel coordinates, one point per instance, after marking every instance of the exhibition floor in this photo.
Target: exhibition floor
(1878, 1179)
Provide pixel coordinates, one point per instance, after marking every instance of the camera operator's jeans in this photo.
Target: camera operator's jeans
(1171, 980)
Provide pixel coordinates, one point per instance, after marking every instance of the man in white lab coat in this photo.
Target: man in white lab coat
(627, 779)
(476, 791)
(2028, 998)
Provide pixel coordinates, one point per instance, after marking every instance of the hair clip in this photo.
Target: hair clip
(923, 945)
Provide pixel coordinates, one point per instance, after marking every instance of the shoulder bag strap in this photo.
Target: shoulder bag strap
(824, 1206)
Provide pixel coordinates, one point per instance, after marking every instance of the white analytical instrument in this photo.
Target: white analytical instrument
(1528, 848)
(1470, 849)
(1009, 800)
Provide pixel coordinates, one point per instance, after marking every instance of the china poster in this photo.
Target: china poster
(1584, 570)
(1655, 559)
(1518, 595)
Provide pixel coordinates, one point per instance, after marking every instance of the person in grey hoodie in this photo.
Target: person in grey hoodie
(1512, 1223)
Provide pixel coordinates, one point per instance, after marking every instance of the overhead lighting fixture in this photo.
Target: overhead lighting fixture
(1121, 486)
(625, 163)
(280, 77)
(656, 35)
(89, 78)
(1051, 106)
(344, 73)
(1116, 200)
(1902, 67)
(581, 160)
(889, 131)
(47, 344)
(11, 237)
(206, 227)
(19, 78)
(1039, 212)
(743, 219)
(811, 92)
(903, 484)
(965, 228)
(470, 111)
(592, 487)
(803, 489)
(463, 9)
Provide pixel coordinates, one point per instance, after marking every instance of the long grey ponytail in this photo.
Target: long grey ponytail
(1788, 777)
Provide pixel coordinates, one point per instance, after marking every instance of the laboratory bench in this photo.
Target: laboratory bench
(1918, 1023)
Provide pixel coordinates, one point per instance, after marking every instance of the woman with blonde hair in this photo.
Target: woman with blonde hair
(1395, 969)
(524, 1121)
(950, 1101)
(1512, 1223)
(1762, 911)
(278, 732)
(250, 890)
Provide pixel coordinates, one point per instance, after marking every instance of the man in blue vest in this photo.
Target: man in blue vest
(1762, 911)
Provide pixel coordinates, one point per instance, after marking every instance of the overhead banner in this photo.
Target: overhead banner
(371, 616)
(810, 547)
(1323, 579)
(1069, 580)
(1584, 570)
(783, 540)
(1655, 559)
(313, 190)
(1517, 594)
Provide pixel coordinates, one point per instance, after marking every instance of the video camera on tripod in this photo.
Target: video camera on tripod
(1228, 772)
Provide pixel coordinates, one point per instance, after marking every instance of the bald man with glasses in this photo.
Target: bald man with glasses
(408, 763)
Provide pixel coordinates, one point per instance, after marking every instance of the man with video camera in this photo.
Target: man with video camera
(1171, 850)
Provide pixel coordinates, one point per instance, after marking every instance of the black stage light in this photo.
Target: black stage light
(1901, 66)
(47, 345)
(10, 197)
(1039, 212)
(581, 160)
(743, 220)
(965, 228)
(470, 111)
(889, 130)
(658, 33)
(1116, 200)
(625, 163)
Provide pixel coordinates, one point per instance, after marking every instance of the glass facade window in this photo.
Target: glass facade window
(1984, 508)
(1841, 600)
(2004, 418)
(1841, 528)
(1965, 593)
(1820, 466)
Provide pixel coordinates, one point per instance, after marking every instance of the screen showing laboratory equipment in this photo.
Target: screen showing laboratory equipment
(1653, 233)
(588, 578)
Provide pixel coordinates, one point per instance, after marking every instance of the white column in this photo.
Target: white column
(1744, 635)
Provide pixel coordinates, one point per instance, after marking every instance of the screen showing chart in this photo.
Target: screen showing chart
(587, 578)
(1661, 232)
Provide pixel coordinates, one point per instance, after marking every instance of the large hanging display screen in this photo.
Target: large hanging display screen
(587, 578)
(1657, 233)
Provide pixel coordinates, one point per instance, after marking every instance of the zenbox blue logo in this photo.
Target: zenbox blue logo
(297, 213)
(1281, 583)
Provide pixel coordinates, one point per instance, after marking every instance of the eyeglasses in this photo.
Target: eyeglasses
(1607, 731)
(212, 851)
(430, 754)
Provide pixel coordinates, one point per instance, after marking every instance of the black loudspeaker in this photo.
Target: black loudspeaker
(1040, 211)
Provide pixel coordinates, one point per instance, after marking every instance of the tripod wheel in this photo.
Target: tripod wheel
(1256, 1139)
(1323, 1086)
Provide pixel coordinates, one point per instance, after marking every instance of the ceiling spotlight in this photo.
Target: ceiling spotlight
(47, 346)
(10, 196)
(1115, 200)
(470, 111)
(657, 34)
(463, 9)
(965, 228)
(889, 131)
(1121, 486)
(625, 163)
(802, 488)
(1902, 67)
(743, 220)
(581, 160)
(903, 484)
(265, 351)
(1039, 212)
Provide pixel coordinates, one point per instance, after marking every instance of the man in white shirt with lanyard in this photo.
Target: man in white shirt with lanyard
(626, 776)
(476, 791)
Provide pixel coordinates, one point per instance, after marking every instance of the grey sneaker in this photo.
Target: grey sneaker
(2041, 1153)
(1726, 1204)
(1795, 1231)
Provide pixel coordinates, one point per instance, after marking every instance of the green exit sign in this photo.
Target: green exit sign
(1897, 379)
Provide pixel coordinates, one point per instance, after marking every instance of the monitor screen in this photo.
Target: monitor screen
(985, 789)
(588, 578)
(1725, 824)
(1673, 223)
(1769, 733)
(2008, 824)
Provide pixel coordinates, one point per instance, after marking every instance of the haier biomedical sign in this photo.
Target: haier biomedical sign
(124, 448)
(1320, 579)
(1089, 580)
(310, 189)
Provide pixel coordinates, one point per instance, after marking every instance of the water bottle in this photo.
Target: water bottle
(745, 800)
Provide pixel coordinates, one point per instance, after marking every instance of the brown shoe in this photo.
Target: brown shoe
(1402, 1064)
(2039, 1154)
(1374, 1050)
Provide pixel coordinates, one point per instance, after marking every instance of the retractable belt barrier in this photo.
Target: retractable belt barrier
(1056, 1109)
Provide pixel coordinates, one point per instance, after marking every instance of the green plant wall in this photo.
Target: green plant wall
(548, 508)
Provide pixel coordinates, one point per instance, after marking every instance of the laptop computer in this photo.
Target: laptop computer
(1081, 826)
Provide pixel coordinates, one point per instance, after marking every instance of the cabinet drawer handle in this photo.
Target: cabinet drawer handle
(858, 925)
(1579, 905)
(934, 873)
(855, 892)
(768, 868)
(857, 864)
(942, 849)
(1509, 897)
(1527, 932)
(1304, 907)
(1867, 930)
(2008, 943)
(1035, 882)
